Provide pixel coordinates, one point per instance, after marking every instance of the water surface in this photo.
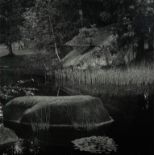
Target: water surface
(132, 129)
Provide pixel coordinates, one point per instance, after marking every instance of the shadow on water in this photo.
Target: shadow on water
(133, 126)
(132, 129)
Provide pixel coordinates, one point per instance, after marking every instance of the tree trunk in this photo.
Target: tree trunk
(55, 44)
(10, 49)
(56, 52)
(51, 31)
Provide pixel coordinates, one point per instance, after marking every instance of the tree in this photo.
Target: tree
(134, 25)
(29, 27)
(11, 19)
(57, 21)
(132, 21)
(45, 35)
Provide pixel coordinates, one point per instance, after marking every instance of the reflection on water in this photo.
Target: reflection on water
(132, 129)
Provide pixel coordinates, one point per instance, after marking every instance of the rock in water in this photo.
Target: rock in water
(79, 112)
(96, 144)
(7, 136)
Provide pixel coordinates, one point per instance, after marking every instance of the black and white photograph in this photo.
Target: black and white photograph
(76, 77)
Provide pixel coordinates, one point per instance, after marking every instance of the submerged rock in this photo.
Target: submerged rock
(7, 136)
(42, 112)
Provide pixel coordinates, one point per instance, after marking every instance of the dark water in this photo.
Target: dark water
(132, 129)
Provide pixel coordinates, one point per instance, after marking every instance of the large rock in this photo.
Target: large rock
(80, 112)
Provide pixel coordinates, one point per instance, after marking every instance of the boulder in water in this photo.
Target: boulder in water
(78, 112)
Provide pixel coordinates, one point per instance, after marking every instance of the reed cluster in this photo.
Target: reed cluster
(135, 75)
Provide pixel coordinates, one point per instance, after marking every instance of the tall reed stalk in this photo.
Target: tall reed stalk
(41, 120)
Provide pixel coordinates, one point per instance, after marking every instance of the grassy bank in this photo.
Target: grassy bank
(27, 61)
